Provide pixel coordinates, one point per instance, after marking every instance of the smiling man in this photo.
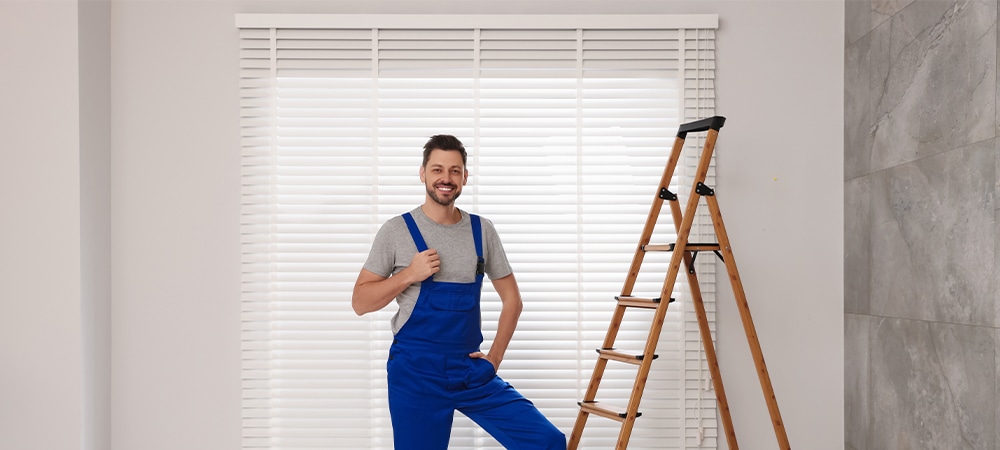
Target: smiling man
(432, 261)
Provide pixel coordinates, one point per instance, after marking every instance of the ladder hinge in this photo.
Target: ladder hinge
(701, 189)
(667, 195)
(694, 256)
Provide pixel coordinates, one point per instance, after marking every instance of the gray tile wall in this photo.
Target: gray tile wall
(922, 217)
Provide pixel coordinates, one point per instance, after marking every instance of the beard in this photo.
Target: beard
(432, 193)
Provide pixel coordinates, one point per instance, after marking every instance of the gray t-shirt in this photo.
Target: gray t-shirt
(393, 249)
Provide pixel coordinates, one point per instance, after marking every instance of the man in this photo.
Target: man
(432, 261)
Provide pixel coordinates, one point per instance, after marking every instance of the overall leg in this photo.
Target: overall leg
(421, 413)
(510, 418)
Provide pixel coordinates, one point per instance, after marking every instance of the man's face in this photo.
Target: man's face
(444, 175)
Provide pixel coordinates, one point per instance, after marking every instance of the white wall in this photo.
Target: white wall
(175, 213)
(175, 216)
(780, 160)
(40, 293)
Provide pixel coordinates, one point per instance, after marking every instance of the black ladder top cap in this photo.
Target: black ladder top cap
(713, 123)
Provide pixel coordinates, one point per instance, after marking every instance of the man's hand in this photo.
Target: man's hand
(425, 264)
(373, 292)
(481, 355)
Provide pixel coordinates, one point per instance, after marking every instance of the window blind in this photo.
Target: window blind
(568, 121)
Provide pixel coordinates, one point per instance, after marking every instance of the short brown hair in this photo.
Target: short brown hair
(444, 142)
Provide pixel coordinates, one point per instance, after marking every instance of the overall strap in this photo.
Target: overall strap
(415, 232)
(477, 237)
(477, 234)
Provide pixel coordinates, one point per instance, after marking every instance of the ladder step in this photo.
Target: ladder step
(639, 302)
(630, 358)
(608, 411)
(691, 246)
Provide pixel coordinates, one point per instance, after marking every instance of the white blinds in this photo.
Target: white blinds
(568, 120)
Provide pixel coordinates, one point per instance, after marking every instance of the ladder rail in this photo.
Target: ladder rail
(687, 218)
(748, 326)
(683, 234)
(706, 338)
(654, 214)
(642, 375)
(630, 279)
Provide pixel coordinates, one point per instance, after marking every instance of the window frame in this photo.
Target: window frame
(692, 106)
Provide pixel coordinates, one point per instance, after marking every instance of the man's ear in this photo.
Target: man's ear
(422, 180)
(466, 179)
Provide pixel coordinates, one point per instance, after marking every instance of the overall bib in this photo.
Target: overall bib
(430, 373)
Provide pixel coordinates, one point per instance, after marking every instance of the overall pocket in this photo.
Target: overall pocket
(453, 301)
(454, 296)
(481, 371)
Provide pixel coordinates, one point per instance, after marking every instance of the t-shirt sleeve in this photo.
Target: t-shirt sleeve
(497, 265)
(382, 257)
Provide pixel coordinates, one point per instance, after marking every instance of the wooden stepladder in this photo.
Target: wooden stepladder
(683, 251)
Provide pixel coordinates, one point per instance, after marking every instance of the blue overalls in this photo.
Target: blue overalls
(431, 375)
